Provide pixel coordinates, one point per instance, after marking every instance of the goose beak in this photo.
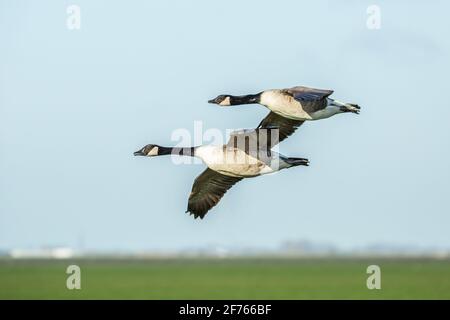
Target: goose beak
(139, 153)
(212, 101)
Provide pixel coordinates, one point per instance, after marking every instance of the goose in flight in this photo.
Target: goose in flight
(247, 154)
(289, 108)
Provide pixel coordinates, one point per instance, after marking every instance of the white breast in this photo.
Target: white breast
(232, 162)
(210, 154)
(283, 105)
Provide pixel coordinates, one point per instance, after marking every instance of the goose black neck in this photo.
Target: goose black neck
(246, 99)
(183, 151)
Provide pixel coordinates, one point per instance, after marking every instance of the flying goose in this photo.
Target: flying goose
(289, 108)
(247, 154)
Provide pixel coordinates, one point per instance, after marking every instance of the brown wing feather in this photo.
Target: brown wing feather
(285, 126)
(311, 99)
(303, 89)
(207, 190)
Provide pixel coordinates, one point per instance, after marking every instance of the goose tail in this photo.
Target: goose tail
(297, 161)
(345, 107)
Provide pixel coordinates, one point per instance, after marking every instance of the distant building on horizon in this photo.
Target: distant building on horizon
(53, 253)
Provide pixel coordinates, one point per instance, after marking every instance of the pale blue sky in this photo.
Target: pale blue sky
(74, 105)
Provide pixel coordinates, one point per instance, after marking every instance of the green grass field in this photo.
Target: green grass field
(225, 279)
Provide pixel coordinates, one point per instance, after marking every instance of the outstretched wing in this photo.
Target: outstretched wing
(285, 126)
(311, 99)
(257, 143)
(209, 187)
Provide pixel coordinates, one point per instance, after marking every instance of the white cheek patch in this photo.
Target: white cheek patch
(225, 102)
(153, 152)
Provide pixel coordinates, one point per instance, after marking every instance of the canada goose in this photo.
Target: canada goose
(289, 108)
(247, 154)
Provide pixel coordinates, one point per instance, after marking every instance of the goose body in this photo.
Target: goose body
(227, 164)
(290, 108)
(296, 103)
(235, 162)
(284, 105)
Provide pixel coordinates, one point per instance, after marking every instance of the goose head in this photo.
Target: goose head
(149, 150)
(222, 100)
